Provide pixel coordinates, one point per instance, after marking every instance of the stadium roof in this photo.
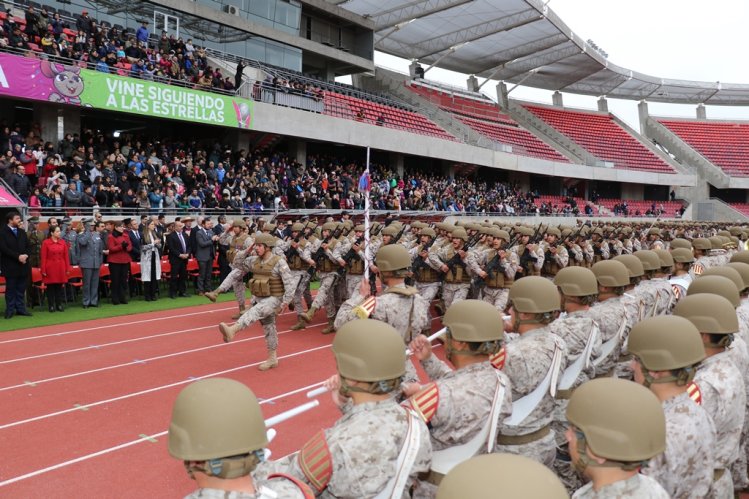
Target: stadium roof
(520, 41)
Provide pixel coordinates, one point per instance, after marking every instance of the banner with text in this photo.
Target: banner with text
(41, 80)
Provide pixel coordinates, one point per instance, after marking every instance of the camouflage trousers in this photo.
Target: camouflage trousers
(739, 467)
(452, 293)
(235, 281)
(301, 277)
(723, 487)
(353, 281)
(264, 311)
(428, 290)
(496, 297)
(565, 470)
(325, 295)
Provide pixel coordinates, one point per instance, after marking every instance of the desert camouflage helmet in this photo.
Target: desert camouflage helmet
(428, 231)
(724, 233)
(331, 226)
(503, 234)
(501, 475)
(633, 264)
(553, 231)
(735, 231)
(359, 228)
(390, 230)
(269, 227)
(534, 295)
(474, 321)
(611, 273)
(238, 222)
(741, 256)
(715, 242)
(392, 257)
(459, 233)
(666, 342)
(681, 243)
(621, 420)
(654, 231)
(665, 257)
(649, 259)
(297, 227)
(682, 255)
(369, 350)
(743, 270)
(576, 281)
(710, 313)
(727, 272)
(418, 224)
(216, 418)
(717, 285)
(702, 244)
(266, 239)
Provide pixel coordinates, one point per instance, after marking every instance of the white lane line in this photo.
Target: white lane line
(150, 390)
(96, 347)
(119, 324)
(28, 383)
(146, 438)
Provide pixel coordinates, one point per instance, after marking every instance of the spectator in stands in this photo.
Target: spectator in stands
(142, 35)
(73, 197)
(119, 259)
(83, 23)
(20, 183)
(55, 263)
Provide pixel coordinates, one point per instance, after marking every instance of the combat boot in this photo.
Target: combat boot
(239, 314)
(331, 327)
(228, 331)
(270, 362)
(300, 324)
(211, 295)
(307, 317)
(440, 307)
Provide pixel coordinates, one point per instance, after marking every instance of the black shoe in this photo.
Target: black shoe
(51, 309)
(85, 307)
(183, 295)
(60, 308)
(172, 296)
(9, 315)
(94, 305)
(25, 313)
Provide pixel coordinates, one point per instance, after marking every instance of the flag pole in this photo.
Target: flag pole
(367, 255)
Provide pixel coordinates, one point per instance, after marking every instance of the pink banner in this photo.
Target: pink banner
(8, 200)
(39, 80)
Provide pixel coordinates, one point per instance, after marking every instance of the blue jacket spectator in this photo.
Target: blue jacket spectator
(142, 34)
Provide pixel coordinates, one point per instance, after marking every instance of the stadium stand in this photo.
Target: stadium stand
(485, 117)
(725, 144)
(602, 137)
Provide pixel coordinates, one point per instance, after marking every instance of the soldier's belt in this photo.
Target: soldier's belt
(718, 474)
(432, 477)
(564, 394)
(524, 439)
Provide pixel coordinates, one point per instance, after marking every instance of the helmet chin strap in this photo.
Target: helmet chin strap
(584, 461)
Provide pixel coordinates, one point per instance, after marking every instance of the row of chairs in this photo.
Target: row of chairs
(75, 278)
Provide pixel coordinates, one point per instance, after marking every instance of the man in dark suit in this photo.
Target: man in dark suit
(205, 251)
(223, 260)
(179, 252)
(133, 233)
(14, 255)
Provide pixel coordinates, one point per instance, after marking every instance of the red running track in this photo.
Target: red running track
(86, 405)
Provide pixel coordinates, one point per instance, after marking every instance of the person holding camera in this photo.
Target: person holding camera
(119, 259)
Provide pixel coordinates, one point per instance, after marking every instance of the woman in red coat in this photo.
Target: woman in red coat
(55, 268)
(119, 259)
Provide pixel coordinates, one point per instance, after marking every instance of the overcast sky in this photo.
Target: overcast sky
(681, 39)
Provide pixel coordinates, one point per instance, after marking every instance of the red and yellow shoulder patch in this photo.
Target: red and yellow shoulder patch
(677, 291)
(316, 461)
(303, 487)
(426, 402)
(498, 359)
(698, 269)
(694, 393)
(366, 308)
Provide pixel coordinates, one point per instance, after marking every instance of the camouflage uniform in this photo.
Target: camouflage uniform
(237, 254)
(685, 469)
(264, 308)
(355, 268)
(724, 399)
(637, 486)
(269, 489)
(609, 315)
(528, 358)
(360, 452)
(298, 266)
(497, 288)
(426, 277)
(458, 282)
(558, 261)
(400, 306)
(327, 271)
(664, 299)
(538, 254)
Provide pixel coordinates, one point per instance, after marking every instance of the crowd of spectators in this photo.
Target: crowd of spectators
(113, 50)
(136, 174)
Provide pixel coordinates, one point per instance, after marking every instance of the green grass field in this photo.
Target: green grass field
(75, 312)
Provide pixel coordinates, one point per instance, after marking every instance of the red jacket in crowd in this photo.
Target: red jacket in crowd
(118, 253)
(55, 261)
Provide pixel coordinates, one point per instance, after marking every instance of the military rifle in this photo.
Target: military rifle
(319, 254)
(289, 253)
(456, 260)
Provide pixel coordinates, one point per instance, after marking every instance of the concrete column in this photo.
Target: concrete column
(412, 68)
(502, 98)
(472, 84)
(603, 105)
(448, 170)
(642, 109)
(556, 99)
(396, 161)
(298, 150)
(701, 112)
(56, 121)
(238, 140)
